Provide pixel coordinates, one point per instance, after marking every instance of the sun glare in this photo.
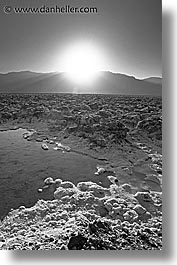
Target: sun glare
(81, 63)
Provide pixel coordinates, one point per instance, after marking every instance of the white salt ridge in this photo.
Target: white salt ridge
(44, 146)
(72, 206)
(49, 181)
(113, 180)
(60, 146)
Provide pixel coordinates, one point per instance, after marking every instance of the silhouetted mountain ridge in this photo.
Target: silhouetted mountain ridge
(105, 83)
(154, 80)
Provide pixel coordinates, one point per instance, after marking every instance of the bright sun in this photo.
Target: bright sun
(81, 63)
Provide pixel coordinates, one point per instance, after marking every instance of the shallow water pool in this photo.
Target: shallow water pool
(24, 165)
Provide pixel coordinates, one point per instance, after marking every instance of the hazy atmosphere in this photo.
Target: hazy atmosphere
(127, 34)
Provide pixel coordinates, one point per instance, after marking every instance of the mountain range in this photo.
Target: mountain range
(105, 83)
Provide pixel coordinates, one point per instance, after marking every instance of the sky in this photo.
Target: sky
(127, 34)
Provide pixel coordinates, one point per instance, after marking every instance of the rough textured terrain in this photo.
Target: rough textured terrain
(120, 206)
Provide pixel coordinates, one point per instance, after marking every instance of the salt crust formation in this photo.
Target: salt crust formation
(88, 217)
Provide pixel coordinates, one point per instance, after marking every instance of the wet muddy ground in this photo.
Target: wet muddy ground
(24, 166)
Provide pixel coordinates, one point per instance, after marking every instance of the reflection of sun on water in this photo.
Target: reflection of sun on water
(81, 63)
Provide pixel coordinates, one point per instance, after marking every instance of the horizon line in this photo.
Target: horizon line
(60, 72)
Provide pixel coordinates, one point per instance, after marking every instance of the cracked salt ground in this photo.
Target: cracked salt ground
(143, 175)
(97, 214)
(86, 216)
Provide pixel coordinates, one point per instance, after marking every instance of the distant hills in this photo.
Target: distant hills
(105, 83)
(154, 80)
